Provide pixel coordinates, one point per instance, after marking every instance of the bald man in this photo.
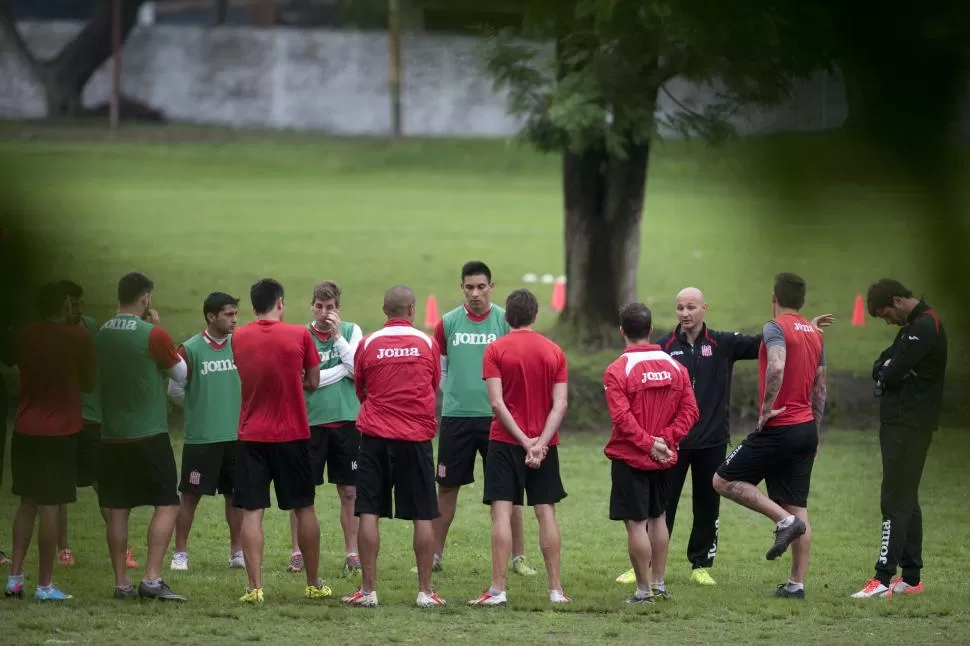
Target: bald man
(396, 374)
(709, 356)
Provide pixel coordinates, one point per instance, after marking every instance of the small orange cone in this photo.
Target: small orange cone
(431, 312)
(559, 295)
(859, 311)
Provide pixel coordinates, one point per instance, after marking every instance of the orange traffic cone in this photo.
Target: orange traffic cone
(859, 311)
(559, 296)
(431, 312)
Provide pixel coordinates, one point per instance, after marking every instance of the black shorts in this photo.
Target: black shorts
(637, 495)
(43, 468)
(782, 456)
(459, 439)
(137, 474)
(508, 478)
(88, 444)
(208, 469)
(405, 467)
(336, 449)
(285, 464)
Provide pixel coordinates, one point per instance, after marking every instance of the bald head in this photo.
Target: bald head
(399, 303)
(691, 309)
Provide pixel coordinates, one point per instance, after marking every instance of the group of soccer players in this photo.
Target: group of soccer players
(276, 403)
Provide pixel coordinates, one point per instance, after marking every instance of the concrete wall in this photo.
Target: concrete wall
(334, 81)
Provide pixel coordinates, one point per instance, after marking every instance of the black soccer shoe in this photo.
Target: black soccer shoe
(785, 593)
(160, 591)
(785, 537)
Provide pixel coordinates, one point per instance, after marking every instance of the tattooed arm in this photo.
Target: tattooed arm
(820, 391)
(774, 340)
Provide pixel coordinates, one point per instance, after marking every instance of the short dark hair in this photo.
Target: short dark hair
(50, 300)
(474, 268)
(72, 289)
(214, 303)
(882, 292)
(521, 308)
(790, 290)
(636, 321)
(133, 286)
(326, 290)
(264, 293)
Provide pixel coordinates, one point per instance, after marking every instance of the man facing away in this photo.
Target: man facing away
(466, 416)
(527, 380)
(396, 374)
(652, 406)
(332, 410)
(136, 465)
(782, 448)
(210, 398)
(909, 377)
(57, 362)
(276, 362)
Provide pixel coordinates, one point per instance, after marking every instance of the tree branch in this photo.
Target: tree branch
(681, 105)
(8, 27)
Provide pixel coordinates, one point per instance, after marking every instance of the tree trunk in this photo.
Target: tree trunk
(603, 198)
(64, 76)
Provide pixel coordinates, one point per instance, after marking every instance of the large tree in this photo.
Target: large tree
(593, 98)
(64, 76)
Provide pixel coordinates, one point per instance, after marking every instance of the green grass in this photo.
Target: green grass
(204, 216)
(845, 517)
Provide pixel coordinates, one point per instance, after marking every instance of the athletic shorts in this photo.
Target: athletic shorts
(459, 440)
(336, 449)
(637, 495)
(139, 473)
(782, 456)
(208, 469)
(284, 464)
(396, 471)
(507, 478)
(43, 468)
(87, 450)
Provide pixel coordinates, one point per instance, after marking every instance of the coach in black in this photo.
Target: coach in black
(709, 357)
(909, 382)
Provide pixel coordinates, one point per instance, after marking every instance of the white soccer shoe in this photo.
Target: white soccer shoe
(873, 588)
(432, 600)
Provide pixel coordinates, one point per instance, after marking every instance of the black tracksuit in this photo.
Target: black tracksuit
(710, 362)
(909, 412)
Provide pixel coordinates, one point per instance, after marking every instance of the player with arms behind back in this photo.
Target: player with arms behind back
(652, 406)
(527, 380)
(782, 448)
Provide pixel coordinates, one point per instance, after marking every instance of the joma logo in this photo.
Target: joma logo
(221, 365)
(384, 353)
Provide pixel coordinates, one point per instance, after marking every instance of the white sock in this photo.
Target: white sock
(296, 553)
(642, 594)
(659, 585)
(492, 591)
(437, 558)
(785, 522)
(791, 586)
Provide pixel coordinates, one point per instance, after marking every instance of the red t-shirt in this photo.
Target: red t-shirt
(54, 359)
(270, 357)
(803, 356)
(529, 365)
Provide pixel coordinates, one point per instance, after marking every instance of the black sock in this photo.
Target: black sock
(883, 579)
(911, 580)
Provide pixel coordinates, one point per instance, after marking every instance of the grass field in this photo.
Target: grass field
(845, 521)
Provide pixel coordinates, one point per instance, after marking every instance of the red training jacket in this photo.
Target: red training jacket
(649, 394)
(396, 373)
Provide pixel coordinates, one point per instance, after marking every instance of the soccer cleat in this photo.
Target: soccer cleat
(15, 588)
(160, 591)
(558, 596)
(638, 599)
(237, 560)
(873, 588)
(318, 591)
(702, 576)
(659, 593)
(180, 562)
(253, 596)
(352, 565)
(783, 591)
(296, 563)
(432, 600)
(898, 586)
(785, 537)
(50, 593)
(361, 599)
(66, 557)
(521, 566)
(128, 592)
(490, 599)
(630, 576)
(130, 562)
